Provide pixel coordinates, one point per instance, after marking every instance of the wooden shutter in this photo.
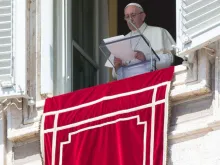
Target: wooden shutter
(198, 24)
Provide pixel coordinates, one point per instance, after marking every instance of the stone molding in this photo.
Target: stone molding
(194, 81)
(193, 129)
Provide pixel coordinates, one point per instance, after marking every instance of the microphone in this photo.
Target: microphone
(132, 24)
(166, 58)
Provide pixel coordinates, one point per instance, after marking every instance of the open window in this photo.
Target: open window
(80, 26)
(158, 13)
(84, 44)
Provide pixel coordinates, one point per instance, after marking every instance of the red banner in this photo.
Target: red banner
(119, 123)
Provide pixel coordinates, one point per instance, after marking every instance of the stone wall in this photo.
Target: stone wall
(201, 149)
(27, 154)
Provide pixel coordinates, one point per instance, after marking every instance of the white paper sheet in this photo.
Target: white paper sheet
(110, 62)
(121, 49)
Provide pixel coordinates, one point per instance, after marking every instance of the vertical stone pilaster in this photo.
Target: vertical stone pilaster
(2, 137)
(10, 117)
(204, 67)
(216, 101)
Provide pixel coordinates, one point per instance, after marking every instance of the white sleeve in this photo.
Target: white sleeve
(114, 75)
(168, 40)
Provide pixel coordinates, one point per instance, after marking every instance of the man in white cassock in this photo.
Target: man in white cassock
(160, 39)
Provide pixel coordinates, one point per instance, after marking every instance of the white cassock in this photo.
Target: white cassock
(160, 40)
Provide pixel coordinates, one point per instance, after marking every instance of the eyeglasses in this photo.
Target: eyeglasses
(132, 16)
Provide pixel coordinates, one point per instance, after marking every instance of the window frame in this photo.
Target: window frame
(63, 47)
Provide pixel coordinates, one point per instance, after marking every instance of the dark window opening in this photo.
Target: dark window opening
(160, 13)
(83, 72)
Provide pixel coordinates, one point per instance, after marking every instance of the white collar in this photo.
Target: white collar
(142, 28)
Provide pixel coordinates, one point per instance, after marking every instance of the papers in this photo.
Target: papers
(121, 49)
(110, 62)
(112, 39)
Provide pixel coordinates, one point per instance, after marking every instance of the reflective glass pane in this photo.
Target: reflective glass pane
(83, 25)
(84, 74)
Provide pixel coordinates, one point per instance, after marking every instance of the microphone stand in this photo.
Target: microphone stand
(148, 43)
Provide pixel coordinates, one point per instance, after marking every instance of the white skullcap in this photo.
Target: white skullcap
(135, 4)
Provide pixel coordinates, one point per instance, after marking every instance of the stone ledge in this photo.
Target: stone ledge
(193, 128)
(192, 83)
(186, 92)
(24, 133)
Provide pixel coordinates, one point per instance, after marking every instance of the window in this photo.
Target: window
(83, 52)
(162, 15)
(79, 27)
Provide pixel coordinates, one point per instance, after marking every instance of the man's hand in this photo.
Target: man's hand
(140, 56)
(117, 63)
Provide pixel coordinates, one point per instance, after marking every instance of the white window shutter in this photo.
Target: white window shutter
(6, 55)
(198, 24)
(12, 48)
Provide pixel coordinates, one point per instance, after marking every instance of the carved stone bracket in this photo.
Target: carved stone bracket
(194, 80)
(21, 128)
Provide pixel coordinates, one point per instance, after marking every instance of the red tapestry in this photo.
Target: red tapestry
(118, 123)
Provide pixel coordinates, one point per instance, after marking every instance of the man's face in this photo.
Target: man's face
(137, 17)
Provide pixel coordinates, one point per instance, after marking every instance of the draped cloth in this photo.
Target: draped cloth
(119, 123)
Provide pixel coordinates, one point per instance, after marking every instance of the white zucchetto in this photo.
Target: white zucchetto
(135, 4)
